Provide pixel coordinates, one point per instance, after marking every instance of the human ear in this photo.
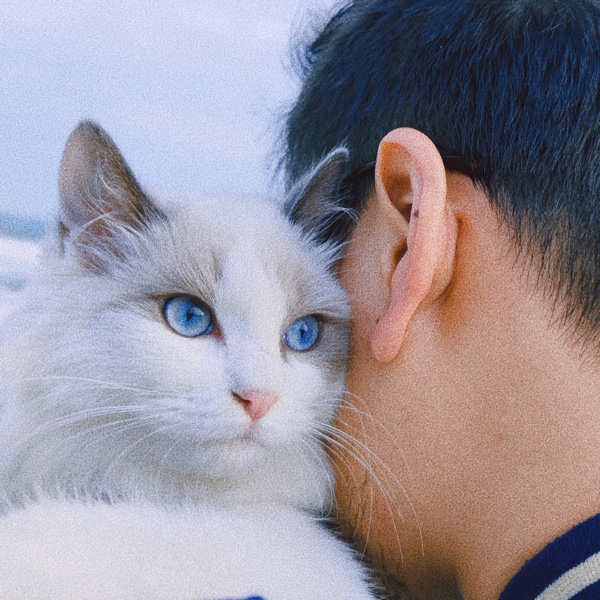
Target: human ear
(410, 191)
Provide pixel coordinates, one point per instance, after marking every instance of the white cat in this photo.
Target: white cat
(168, 379)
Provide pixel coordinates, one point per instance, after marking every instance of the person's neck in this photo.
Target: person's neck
(540, 474)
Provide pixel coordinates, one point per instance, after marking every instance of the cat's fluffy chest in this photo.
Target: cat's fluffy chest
(146, 551)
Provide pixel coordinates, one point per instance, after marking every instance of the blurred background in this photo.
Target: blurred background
(192, 91)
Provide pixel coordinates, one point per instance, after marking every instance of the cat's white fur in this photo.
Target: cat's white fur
(70, 551)
(102, 400)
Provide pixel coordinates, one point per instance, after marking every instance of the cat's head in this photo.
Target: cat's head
(209, 338)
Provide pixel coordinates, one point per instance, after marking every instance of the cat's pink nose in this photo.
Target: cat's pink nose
(256, 402)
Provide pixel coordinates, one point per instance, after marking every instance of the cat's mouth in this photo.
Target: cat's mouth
(252, 431)
(250, 437)
(236, 454)
(256, 439)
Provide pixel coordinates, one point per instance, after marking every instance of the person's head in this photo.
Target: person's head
(508, 91)
(475, 258)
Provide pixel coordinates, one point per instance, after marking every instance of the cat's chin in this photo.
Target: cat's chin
(223, 459)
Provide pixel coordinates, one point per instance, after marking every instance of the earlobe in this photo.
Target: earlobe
(410, 185)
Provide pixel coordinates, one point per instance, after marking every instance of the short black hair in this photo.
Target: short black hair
(512, 87)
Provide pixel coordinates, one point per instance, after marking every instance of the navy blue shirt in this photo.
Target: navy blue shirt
(567, 569)
(250, 598)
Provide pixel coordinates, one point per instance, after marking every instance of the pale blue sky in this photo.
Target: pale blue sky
(191, 90)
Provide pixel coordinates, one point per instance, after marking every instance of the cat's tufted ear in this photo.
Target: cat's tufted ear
(313, 201)
(100, 200)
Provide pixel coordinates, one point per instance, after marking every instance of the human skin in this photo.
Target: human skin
(477, 413)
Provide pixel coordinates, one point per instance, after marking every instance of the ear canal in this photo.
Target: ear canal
(99, 197)
(314, 199)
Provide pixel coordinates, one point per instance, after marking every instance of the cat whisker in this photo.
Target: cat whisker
(81, 447)
(349, 444)
(333, 451)
(344, 436)
(318, 440)
(391, 505)
(132, 446)
(357, 448)
(92, 413)
(363, 461)
(389, 435)
(96, 433)
(161, 464)
(101, 382)
(318, 455)
(398, 452)
(106, 431)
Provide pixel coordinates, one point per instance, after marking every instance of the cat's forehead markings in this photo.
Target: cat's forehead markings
(245, 275)
(250, 250)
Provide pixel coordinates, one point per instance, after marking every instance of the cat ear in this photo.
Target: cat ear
(100, 200)
(312, 202)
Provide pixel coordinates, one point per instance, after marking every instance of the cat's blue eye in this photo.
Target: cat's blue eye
(302, 334)
(188, 316)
